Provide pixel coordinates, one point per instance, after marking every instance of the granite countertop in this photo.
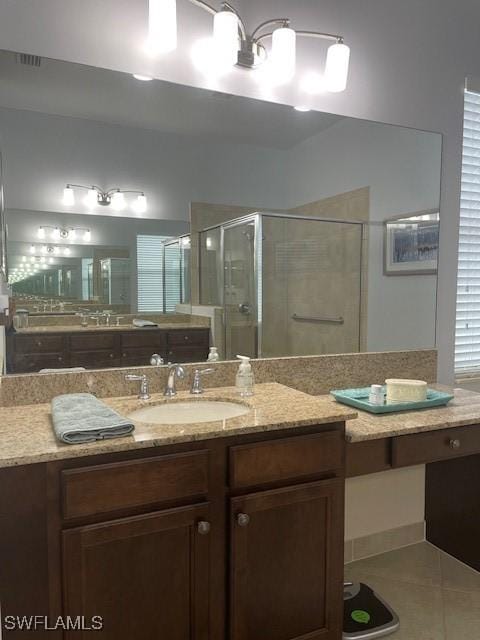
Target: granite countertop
(123, 327)
(27, 437)
(463, 410)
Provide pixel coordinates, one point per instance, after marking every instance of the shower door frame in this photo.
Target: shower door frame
(257, 269)
(257, 217)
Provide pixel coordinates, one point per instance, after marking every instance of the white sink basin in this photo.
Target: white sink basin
(189, 412)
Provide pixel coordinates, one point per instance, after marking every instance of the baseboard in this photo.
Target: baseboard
(384, 541)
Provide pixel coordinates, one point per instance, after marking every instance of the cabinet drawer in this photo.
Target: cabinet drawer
(286, 459)
(144, 338)
(90, 342)
(369, 456)
(33, 363)
(94, 359)
(39, 344)
(139, 357)
(123, 485)
(190, 336)
(432, 446)
(187, 354)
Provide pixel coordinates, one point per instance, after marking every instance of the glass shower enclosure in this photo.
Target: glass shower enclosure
(288, 284)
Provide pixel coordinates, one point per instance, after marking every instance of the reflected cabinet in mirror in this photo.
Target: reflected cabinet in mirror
(151, 218)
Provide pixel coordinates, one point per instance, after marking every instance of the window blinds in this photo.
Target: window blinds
(467, 338)
(156, 293)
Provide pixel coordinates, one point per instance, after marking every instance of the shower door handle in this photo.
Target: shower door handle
(244, 308)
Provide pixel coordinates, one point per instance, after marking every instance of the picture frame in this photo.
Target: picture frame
(411, 244)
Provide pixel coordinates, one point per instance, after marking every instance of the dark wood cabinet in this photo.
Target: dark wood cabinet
(180, 542)
(286, 576)
(30, 352)
(146, 576)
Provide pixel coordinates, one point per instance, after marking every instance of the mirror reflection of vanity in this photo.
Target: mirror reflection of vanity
(263, 230)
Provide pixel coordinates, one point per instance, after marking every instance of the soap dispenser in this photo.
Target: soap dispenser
(244, 380)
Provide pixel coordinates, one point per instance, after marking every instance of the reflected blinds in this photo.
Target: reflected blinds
(467, 338)
(156, 293)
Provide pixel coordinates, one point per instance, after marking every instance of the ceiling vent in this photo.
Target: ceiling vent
(28, 60)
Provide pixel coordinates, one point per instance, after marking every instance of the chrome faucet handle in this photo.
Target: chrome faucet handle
(97, 319)
(143, 394)
(175, 371)
(156, 360)
(196, 388)
(117, 320)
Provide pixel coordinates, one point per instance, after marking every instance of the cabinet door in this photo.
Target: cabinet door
(146, 576)
(287, 563)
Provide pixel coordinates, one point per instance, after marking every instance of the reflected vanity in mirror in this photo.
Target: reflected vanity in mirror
(264, 230)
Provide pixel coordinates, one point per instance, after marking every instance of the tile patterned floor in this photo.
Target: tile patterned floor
(435, 596)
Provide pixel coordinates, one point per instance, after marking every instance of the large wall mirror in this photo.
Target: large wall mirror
(149, 217)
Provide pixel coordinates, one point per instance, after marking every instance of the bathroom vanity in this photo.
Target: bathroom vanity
(31, 350)
(224, 531)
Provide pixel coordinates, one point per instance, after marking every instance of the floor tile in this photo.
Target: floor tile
(462, 615)
(419, 607)
(416, 564)
(458, 577)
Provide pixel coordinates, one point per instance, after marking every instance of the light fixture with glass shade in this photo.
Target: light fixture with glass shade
(231, 43)
(68, 196)
(162, 27)
(104, 198)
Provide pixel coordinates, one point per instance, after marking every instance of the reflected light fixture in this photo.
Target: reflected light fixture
(97, 196)
(302, 108)
(142, 78)
(232, 44)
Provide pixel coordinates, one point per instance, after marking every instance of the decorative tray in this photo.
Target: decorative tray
(359, 398)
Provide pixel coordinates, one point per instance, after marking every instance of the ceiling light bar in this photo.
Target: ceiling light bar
(231, 44)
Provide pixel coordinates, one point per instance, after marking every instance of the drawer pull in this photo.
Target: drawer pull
(203, 528)
(112, 355)
(39, 343)
(454, 443)
(243, 519)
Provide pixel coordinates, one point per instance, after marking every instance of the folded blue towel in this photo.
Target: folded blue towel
(81, 417)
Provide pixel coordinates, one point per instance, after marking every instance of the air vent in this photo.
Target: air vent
(28, 60)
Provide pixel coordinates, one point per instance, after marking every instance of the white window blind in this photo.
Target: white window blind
(467, 338)
(156, 293)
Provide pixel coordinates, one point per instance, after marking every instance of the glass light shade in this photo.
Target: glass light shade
(162, 27)
(91, 198)
(118, 201)
(283, 55)
(56, 251)
(50, 261)
(336, 68)
(43, 249)
(24, 258)
(41, 233)
(140, 203)
(207, 61)
(32, 249)
(72, 234)
(87, 236)
(43, 260)
(66, 251)
(68, 197)
(225, 37)
(32, 259)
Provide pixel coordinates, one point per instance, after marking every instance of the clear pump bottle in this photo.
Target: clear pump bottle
(244, 380)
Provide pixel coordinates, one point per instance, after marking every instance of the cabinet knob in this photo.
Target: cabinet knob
(454, 444)
(203, 527)
(60, 358)
(243, 519)
(112, 355)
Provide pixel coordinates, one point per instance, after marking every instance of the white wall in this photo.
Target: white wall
(402, 168)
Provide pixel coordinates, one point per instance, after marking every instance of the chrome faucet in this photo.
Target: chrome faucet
(143, 394)
(196, 388)
(174, 371)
